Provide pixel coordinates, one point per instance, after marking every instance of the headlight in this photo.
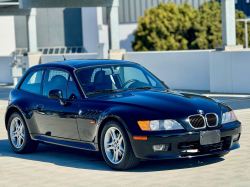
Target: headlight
(159, 125)
(228, 117)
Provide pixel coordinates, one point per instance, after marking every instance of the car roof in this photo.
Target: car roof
(75, 64)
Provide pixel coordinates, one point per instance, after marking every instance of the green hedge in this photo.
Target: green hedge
(171, 27)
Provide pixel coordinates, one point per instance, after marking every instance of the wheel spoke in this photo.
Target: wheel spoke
(121, 148)
(119, 136)
(110, 148)
(18, 141)
(22, 135)
(16, 124)
(21, 127)
(109, 144)
(121, 152)
(113, 135)
(120, 140)
(115, 156)
(14, 136)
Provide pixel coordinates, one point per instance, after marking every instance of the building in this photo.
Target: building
(78, 30)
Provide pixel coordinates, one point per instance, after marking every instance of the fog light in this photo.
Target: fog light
(161, 147)
(236, 137)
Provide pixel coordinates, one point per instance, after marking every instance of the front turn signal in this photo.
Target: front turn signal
(144, 125)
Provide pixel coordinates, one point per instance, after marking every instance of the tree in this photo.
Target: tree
(164, 28)
(168, 27)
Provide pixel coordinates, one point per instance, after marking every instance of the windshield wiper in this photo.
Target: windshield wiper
(107, 90)
(142, 88)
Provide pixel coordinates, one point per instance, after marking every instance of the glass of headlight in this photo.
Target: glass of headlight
(160, 125)
(228, 117)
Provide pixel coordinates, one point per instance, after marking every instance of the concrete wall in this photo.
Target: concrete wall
(54, 58)
(126, 31)
(7, 35)
(178, 69)
(230, 71)
(90, 29)
(5, 71)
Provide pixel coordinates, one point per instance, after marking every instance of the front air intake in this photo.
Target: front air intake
(197, 121)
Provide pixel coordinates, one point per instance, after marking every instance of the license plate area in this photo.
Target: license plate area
(210, 137)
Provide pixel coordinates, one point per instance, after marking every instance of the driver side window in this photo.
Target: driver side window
(55, 80)
(134, 73)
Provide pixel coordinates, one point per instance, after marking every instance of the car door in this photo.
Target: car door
(54, 119)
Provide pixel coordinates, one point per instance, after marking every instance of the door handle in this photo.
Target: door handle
(39, 106)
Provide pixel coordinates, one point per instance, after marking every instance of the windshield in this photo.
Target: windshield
(116, 78)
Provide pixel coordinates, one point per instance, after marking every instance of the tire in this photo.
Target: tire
(17, 130)
(124, 161)
(221, 154)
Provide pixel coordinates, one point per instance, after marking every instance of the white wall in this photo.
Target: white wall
(90, 29)
(5, 71)
(7, 35)
(126, 31)
(178, 69)
(54, 58)
(230, 72)
(127, 35)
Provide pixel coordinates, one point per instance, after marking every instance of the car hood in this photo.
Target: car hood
(177, 104)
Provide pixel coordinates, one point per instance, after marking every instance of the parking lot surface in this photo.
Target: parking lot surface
(60, 166)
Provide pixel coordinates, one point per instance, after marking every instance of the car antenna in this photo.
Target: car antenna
(64, 57)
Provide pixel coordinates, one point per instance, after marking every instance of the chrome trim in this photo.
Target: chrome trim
(217, 120)
(199, 127)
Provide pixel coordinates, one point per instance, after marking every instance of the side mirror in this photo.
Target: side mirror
(58, 95)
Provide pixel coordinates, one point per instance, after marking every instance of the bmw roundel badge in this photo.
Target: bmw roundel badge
(200, 112)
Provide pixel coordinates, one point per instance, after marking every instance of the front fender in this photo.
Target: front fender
(128, 117)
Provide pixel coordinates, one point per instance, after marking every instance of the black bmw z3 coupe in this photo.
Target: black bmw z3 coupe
(118, 108)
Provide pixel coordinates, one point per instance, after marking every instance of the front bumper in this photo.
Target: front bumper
(181, 143)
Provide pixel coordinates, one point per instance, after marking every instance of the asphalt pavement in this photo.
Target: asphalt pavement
(60, 166)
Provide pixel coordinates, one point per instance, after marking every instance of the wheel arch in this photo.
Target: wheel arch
(104, 121)
(10, 111)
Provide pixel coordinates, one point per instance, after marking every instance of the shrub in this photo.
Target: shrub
(171, 27)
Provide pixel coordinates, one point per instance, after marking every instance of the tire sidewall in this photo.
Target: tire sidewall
(26, 133)
(126, 141)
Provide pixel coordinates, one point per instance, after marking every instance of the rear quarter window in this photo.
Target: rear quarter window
(32, 83)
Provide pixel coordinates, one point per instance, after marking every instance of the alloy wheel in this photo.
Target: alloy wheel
(114, 145)
(17, 132)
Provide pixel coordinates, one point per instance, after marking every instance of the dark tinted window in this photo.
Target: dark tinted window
(68, 50)
(45, 51)
(56, 50)
(51, 51)
(32, 82)
(55, 80)
(62, 50)
(73, 50)
(72, 90)
(79, 50)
